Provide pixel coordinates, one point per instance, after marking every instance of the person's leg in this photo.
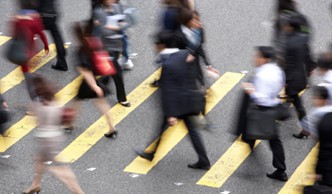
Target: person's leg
(58, 40)
(297, 102)
(278, 160)
(118, 80)
(67, 177)
(203, 161)
(39, 171)
(104, 108)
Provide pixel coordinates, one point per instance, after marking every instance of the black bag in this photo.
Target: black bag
(85, 92)
(196, 102)
(261, 123)
(283, 112)
(17, 51)
(4, 115)
(317, 189)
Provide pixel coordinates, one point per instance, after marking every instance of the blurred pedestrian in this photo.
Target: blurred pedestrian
(320, 124)
(261, 95)
(50, 15)
(26, 24)
(49, 136)
(91, 87)
(181, 98)
(324, 70)
(108, 27)
(4, 114)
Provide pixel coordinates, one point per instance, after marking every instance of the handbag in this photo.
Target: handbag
(68, 115)
(17, 51)
(103, 64)
(4, 115)
(261, 123)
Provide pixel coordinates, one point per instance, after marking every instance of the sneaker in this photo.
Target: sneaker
(278, 175)
(128, 65)
(122, 60)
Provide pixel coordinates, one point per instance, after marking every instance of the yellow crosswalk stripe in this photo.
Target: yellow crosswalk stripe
(4, 39)
(27, 123)
(15, 77)
(173, 135)
(301, 175)
(96, 131)
(227, 163)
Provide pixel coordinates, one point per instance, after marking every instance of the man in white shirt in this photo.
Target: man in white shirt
(267, 82)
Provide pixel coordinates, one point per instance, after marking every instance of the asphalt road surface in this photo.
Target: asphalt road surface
(104, 166)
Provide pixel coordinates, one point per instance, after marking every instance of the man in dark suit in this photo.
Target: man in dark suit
(181, 99)
(49, 13)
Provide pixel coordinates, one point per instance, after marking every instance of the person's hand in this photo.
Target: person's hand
(5, 105)
(212, 72)
(248, 88)
(172, 121)
(114, 28)
(47, 51)
(190, 58)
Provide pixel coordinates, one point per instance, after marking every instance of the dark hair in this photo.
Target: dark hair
(320, 92)
(325, 60)
(286, 5)
(267, 52)
(185, 16)
(27, 4)
(43, 88)
(165, 37)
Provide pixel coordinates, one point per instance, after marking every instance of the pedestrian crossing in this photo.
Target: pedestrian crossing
(221, 171)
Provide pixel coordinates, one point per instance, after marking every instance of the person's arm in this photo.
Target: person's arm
(39, 30)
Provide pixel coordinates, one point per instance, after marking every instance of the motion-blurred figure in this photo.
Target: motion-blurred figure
(320, 124)
(49, 12)
(49, 136)
(262, 94)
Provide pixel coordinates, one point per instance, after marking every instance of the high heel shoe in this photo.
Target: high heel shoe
(302, 134)
(113, 135)
(32, 191)
(125, 104)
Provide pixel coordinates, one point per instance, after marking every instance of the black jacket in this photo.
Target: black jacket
(296, 51)
(180, 94)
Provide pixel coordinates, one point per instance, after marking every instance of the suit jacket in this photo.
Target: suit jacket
(295, 62)
(180, 95)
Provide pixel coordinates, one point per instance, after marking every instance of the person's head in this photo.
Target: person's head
(289, 5)
(290, 22)
(324, 62)
(320, 96)
(263, 55)
(190, 19)
(27, 4)
(164, 39)
(43, 88)
(108, 3)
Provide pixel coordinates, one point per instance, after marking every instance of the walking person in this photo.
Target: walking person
(50, 15)
(181, 98)
(111, 36)
(91, 87)
(262, 94)
(49, 136)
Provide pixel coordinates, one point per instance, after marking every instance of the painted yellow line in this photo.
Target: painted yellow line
(96, 131)
(301, 175)
(227, 163)
(4, 39)
(173, 135)
(27, 123)
(16, 76)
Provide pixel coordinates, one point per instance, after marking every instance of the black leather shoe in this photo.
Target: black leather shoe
(302, 134)
(278, 175)
(199, 166)
(113, 135)
(125, 104)
(155, 83)
(60, 68)
(147, 156)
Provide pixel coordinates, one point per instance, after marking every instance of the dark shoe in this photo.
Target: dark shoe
(155, 84)
(199, 166)
(60, 68)
(278, 175)
(125, 104)
(113, 135)
(147, 156)
(302, 134)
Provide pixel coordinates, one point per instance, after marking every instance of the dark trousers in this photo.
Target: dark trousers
(51, 25)
(118, 79)
(194, 135)
(297, 102)
(275, 143)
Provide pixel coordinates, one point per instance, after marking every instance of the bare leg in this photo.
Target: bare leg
(67, 177)
(104, 108)
(39, 171)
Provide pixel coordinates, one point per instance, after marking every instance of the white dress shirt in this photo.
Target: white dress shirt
(327, 82)
(190, 35)
(268, 81)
